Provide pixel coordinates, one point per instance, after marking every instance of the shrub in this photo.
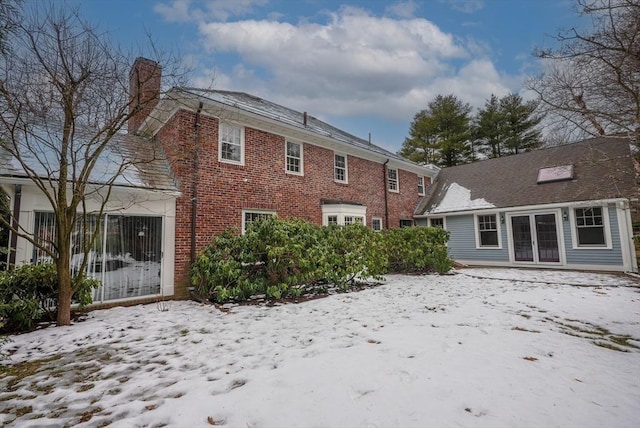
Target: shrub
(28, 294)
(280, 258)
(417, 250)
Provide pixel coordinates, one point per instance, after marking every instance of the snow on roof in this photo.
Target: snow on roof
(133, 161)
(458, 198)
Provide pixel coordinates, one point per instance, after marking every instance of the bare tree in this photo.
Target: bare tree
(64, 98)
(591, 84)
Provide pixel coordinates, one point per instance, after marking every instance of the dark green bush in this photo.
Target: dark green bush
(417, 250)
(28, 294)
(281, 258)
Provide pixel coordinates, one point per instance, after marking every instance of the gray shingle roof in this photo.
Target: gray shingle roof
(145, 164)
(268, 109)
(603, 169)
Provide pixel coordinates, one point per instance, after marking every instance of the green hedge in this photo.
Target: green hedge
(28, 294)
(281, 258)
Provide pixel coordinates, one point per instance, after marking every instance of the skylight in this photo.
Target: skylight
(555, 173)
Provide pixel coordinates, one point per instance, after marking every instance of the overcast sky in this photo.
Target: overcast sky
(365, 66)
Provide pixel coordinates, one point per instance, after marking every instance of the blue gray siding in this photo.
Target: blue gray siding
(595, 256)
(462, 243)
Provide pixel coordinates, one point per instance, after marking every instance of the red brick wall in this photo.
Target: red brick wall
(224, 190)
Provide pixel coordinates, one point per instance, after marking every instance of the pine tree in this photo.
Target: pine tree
(440, 134)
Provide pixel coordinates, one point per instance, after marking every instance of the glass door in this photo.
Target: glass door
(535, 238)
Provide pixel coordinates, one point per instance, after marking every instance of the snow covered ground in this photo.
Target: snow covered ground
(482, 348)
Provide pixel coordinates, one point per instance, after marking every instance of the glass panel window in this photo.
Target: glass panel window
(488, 230)
(348, 220)
(406, 223)
(420, 185)
(590, 226)
(332, 219)
(231, 143)
(294, 158)
(392, 179)
(437, 222)
(251, 216)
(376, 224)
(340, 168)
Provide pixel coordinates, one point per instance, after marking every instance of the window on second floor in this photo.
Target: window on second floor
(392, 180)
(420, 185)
(231, 144)
(294, 160)
(340, 168)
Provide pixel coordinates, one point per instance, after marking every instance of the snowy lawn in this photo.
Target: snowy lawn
(482, 348)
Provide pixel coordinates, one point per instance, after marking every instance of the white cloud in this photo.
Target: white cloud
(403, 9)
(186, 10)
(353, 64)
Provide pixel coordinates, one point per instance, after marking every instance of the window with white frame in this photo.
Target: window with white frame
(420, 185)
(294, 158)
(231, 144)
(590, 224)
(376, 224)
(340, 168)
(249, 217)
(406, 223)
(487, 227)
(343, 214)
(392, 179)
(437, 222)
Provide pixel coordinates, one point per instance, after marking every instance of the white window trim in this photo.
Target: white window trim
(346, 168)
(242, 144)
(423, 186)
(381, 224)
(244, 212)
(286, 155)
(444, 222)
(397, 189)
(477, 231)
(342, 211)
(574, 230)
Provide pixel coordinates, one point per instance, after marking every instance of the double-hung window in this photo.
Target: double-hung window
(376, 224)
(590, 227)
(392, 180)
(420, 185)
(437, 222)
(487, 226)
(340, 168)
(294, 158)
(231, 144)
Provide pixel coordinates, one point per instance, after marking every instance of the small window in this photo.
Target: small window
(590, 227)
(392, 179)
(231, 144)
(406, 223)
(349, 219)
(420, 185)
(376, 224)
(340, 168)
(332, 219)
(294, 158)
(488, 230)
(437, 222)
(249, 217)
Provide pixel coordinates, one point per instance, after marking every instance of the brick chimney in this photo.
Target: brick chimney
(144, 91)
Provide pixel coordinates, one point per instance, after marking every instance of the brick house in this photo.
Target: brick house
(237, 157)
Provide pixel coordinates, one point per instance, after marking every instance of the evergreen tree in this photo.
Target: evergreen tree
(506, 126)
(441, 133)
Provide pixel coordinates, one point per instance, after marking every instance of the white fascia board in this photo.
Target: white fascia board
(170, 105)
(574, 204)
